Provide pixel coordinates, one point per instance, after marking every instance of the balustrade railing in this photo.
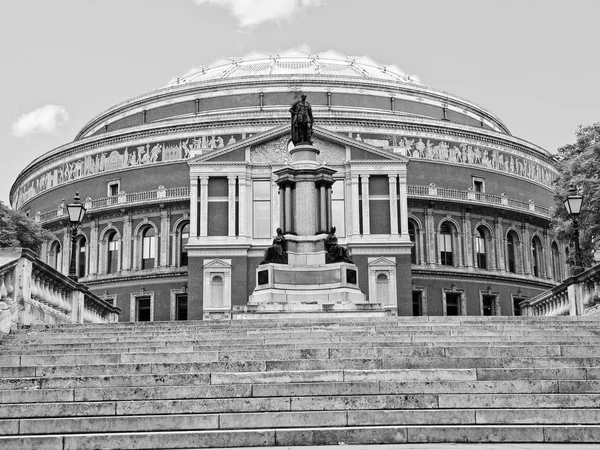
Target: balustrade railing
(576, 295)
(184, 192)
(33, 293)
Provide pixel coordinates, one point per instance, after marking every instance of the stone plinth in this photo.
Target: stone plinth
(307, 283)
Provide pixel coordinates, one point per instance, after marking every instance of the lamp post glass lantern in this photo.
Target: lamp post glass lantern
(76, 212)
(573, 207)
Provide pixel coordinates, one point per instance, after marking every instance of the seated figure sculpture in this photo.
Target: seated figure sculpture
(277, 252)
(336, 252)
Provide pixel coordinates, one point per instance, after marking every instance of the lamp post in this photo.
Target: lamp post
(573, 206)
(76, 212)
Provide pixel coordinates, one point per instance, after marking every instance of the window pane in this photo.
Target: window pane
(338, 217)
(416, 301)
(143, 309)
(452, 301)
(262, 219)
(262, 190)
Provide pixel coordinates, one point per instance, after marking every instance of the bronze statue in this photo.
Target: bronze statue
(336, 252)
(302, 121)
(277, 252)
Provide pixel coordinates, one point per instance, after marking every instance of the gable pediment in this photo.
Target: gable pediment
(271, 147)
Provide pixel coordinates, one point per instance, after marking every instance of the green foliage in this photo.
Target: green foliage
(17, 230)
(579, 163)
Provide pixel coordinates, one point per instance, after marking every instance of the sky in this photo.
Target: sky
(533, 63)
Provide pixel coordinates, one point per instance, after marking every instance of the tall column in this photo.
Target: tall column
(364, 179)
(276, 220)
(322, 208)
(499, 241)
(287, 213)
(93, 269)
(393, 204)
(355, 207)
(126, 242)
(244, 202)
(193, 207)
(231, 206)
(329, 208)
(203, 206)
(165, 225)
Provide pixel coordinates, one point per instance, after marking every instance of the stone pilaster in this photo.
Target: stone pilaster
(430, 237)
(66, 251)
(467, 240)
(276, 220)
(500, 243)
(193, 207)
(127, 231)
(547, 252)
(244, 189)
(355, 206)
(203, 206)
(165, 225)
(364, 179)
(231, 219)
(526, 249)
(393, 204)
(403, 206)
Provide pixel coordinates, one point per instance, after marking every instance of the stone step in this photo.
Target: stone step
(327, 403)
(190, 354)
(352, 435)
(541, 365)
(298, 419)
(579, 345)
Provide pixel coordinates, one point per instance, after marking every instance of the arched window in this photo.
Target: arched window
(536, 256)
(112, 264)
(382, 289)
(511, 243)
(183, 240)
(148, 248)
(445, 245)
(480, 248)
(412, 232)
(81, 257)
(556, 275)
(55, 255)
(217, 291)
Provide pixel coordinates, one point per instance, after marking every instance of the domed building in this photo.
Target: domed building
(444, 210)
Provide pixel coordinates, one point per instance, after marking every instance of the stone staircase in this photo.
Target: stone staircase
(301, 381)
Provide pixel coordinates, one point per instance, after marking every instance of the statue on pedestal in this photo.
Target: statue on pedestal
(277, 252)
(302, 121)
(336, 252)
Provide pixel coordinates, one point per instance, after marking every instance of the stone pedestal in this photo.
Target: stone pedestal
(307, 284)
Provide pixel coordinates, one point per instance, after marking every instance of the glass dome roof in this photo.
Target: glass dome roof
(294, 62)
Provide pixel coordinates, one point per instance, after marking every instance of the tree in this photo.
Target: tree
(17, 230)
(579, 164)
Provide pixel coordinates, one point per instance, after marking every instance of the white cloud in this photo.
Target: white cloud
(251, 13)
(46, 119)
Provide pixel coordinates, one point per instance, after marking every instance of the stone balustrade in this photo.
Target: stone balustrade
(182, 193)
(33, 293)
(471, 196)
(575, 296)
